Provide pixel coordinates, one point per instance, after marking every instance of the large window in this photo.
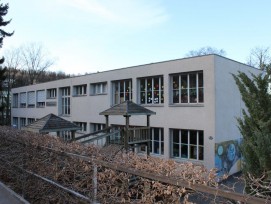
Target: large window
(98, 88)
(31, 99)
(65, 101)
(122, 91)
(30, 120)
(187, 144)
(187, 88)
(15, 122)
(80, 90)
(157, 141)
(15, 100)
(151, 90)
(96, 126)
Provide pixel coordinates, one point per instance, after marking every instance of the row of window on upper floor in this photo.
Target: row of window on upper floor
(185, 88)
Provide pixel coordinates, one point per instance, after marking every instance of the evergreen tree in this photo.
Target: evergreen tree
(3, 34)
(255, 125)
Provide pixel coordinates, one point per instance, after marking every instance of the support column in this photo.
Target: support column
(106, 121)
(149, 142)
(126, 134)
(73, 135)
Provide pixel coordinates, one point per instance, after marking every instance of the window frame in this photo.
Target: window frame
(65, 101)
(181, 143)
(51, 93)
(160, 141)
(122, 87)
(80, 90)
(176, 97)
(146, 86)
(99, 88)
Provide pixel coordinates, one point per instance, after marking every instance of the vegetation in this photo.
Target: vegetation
(255, 127)
(206, 51)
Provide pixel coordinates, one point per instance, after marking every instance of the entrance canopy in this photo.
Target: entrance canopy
(51, 123)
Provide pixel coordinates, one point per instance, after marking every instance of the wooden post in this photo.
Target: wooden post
(148, 143)
(73, 135)
(95, 183)
(126, 132)
(106, 121)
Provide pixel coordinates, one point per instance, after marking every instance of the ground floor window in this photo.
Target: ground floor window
(157, 141)
(187, 144)
(83, 125)
(66, 135)
(15, 122)
(22, 122)
(96, 126)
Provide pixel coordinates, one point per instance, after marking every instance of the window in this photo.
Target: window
(51, 93)
(157, 141)
(15, 122)
(151, 90)
(23, 100)
(98, 88)
(65, 101)
(30, 120)
(15, 100)
(97, 126)
(66, 135)
(22, 122)
(31, 99)
(187, 88)
(80, 90)
(122, 91)
(187, 144)
(82, 125)
(40, 98)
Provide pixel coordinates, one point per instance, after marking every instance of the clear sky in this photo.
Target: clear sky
(97, 35)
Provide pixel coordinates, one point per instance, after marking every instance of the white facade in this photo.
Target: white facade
(195, 99)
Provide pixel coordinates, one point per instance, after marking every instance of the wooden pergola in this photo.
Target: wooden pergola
(52, 123)
(128, 109)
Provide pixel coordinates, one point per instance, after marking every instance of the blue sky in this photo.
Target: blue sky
(97, 35)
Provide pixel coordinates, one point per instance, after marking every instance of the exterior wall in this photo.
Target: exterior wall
(228, 107)
(207, 116)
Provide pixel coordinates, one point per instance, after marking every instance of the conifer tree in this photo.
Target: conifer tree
(255, 124)
(3, 11)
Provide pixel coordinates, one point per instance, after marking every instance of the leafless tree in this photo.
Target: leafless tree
(259, 57)
(205, 51)
(35, 60)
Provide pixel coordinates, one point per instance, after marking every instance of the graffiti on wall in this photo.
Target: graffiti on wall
(227, 156)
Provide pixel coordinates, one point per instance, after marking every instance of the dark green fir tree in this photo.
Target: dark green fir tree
(255, 125)
(3, 86)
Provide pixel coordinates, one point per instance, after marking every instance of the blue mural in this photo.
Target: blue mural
(227, 155)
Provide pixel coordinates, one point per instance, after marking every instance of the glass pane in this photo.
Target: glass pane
(175, 82)
(175, 150)
(201, 138)
(156, 147)
(184, 136)
(175, 136)
(162, 83)
(184, 97)
(201, 95)
(121, 86)
(184, 81)
(156, 134)
(156, 97)
(200, 78)
(149, 97)
(184, 151)
(176, 96)
(192, 80)
(162, 96)
(156, 84)
(193, 95)
(162, 134)
(193, 152)
(149, 84)
(142, 98)
(142, 85)
(193, 137)
(162, 147)
(201, 153)
(121, 97)
(127, 96)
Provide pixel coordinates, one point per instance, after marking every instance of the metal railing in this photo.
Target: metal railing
(138, 135)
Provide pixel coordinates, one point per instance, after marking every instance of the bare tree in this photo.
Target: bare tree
(259, 57)
(205, 51)
(35, 60)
